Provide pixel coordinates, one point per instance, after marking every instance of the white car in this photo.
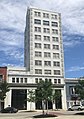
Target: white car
(76, 107)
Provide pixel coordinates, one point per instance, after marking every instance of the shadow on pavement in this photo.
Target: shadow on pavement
(80, 113)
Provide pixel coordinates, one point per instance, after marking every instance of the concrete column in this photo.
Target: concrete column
(64, 102)
(53, 101)
(7, 101)
(54, 105)
(0, 105)
(30, 105)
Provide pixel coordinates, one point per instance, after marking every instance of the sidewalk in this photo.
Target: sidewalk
(70, 117)
(61, 114)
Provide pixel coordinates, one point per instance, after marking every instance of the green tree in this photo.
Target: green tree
(31, 97)
(80, 89)
(4, 88)
(44, 92)
(56, 97)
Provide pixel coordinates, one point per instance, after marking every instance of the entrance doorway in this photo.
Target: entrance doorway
(19, 99)
(58, 101)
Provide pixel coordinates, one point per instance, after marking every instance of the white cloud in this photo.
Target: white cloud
(13, 17)
(71, 43)
(75, 68)
(15, 54)
(13, 13)
(12, 65)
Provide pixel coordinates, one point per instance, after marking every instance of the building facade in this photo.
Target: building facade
(3, 75)
(71, 96)
(43, 47)
(43, 59)
(21, 81)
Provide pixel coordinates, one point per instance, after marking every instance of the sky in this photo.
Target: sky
(12, 26)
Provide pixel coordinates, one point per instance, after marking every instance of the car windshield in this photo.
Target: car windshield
(75, 105)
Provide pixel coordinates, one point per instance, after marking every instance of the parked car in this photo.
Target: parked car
(76, 107)
(9, 110)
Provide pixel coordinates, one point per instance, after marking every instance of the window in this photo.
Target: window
(37, 45)
(55, 80)
(46, 30)
(54, 31)
(1, 77)
(56, 72)
(38, 54)
(37, 21)
(47, 63)
(47, 54)
(55, 55)
(38, 62)
(46, 79)
(37, 29)
(13, 80)
(47, 46)
(56, 64)
(36, 80)
(59, 81)
(46, 23)
(53, 16)
(47, 38)
(37, 37)
(37, 14)
(49, 80)
(21, 80)
(40, 79)
(72, 90)
(17, 80)
(55, 39)
(56, 47)
(25, 80)
(45, 15)
(54, 24)
(38, 71)
(47, 71)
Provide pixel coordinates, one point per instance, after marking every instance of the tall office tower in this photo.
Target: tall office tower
(43, 48)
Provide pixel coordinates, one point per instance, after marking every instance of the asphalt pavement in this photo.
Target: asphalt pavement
(61, 114)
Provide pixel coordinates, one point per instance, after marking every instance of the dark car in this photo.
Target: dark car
(9, 110)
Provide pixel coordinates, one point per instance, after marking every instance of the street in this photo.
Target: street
(28, 115)
(19, 115)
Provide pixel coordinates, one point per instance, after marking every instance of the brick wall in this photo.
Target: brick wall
(3, 71)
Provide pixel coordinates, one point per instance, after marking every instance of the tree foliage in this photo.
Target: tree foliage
(44, 90)
(4, 88)
(31, 96)
(80, 89)
(56, 96)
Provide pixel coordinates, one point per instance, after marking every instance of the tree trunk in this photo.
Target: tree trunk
(43, 106)
(47, 107)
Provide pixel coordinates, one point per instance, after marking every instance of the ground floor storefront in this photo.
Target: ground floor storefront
(17, 97)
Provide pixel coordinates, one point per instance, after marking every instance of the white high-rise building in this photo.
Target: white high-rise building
(43, 43)
(43, 48)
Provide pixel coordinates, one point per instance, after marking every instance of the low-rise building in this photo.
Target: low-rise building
(20, 81)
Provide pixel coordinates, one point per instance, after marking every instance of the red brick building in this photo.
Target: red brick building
(3, 73)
